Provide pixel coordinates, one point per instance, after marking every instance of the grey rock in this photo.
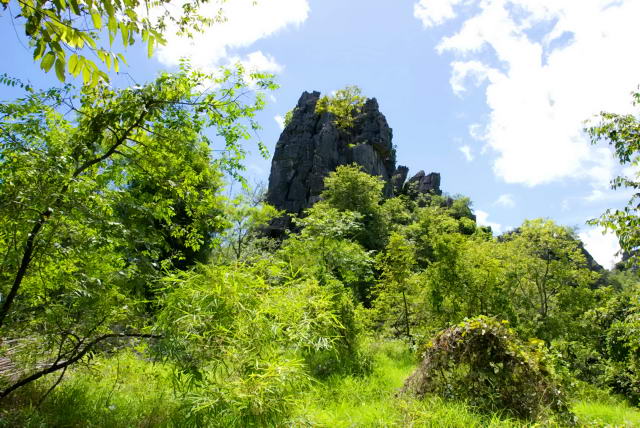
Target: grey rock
(424, 183)
(399, 178)
(311, 146)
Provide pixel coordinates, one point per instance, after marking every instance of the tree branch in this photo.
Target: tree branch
(77, 357)
(27, 255)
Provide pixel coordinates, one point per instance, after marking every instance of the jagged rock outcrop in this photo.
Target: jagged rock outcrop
(398, 179)
(424, 183)
(312, 145)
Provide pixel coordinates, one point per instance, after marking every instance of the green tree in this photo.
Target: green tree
(466, 279)
(344, 105)
(622, 131)
(326, 249)
(248, 214)
(69, 259)
(348, 188)
(397, 264)
(613, 327)
(435, 232)
(63, 33)
(549, 281)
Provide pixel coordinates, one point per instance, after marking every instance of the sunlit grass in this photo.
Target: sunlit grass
(126, 390)
(122, 391)
(598, 414)
(375, 401)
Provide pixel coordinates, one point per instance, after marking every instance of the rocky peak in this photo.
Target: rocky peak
(312, 145)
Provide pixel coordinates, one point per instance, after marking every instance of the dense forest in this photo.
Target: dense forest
(137, 290)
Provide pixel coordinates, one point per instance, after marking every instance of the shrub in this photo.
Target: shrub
(344, 104)
(245, 346)
(482, 362)
(616, 326)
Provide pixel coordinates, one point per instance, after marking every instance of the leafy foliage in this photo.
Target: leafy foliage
(615, 331)
(115, 234)
(288, 116)
(623, 133)
(323, 249)
(348, 188)
(396, 264)
(551, 281)
(61, 32)
(243, 346)
(95, 205)
(344, 105)
(481, 361)
(248, 214)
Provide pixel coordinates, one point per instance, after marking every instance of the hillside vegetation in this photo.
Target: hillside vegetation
(134, 293)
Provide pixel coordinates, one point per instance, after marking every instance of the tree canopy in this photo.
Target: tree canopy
(102, 192)
(622, 132)
(64, 34)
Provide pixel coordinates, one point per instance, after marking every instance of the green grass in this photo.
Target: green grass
(374, 401)
(121, 391)
(606, 414)
(127, 391)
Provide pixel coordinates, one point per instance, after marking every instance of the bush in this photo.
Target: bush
(482, 362)
(246, 341)
(616, 326)
(344, 105)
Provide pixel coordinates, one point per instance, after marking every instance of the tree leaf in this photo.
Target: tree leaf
(47, 61)
(150, 47)
(74, 6)
(60, 68)
(97, 20)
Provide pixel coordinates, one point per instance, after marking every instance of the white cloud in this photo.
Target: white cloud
(434, 12)
(247, 21)
(610, 196)
(257, 170)
(279, 120)
(506, 201)
(603, 247)
(482, 218)
(257, 61)
(462, 71)
(548, 65)
(466, 151)
(477, 131)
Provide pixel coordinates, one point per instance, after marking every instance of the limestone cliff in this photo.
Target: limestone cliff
(312, 145)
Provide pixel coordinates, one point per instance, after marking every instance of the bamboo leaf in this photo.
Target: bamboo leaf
(97, 20)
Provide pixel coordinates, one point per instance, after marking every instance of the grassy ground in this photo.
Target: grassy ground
(373, 402)
(126, 391)
(121, 391)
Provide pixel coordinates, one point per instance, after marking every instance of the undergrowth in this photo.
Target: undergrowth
(121, 391)
(126, 390)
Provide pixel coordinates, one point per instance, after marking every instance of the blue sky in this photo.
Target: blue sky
(490, 93)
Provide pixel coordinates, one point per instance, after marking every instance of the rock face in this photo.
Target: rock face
(424, 183)
(398, 179)
(311, 146)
